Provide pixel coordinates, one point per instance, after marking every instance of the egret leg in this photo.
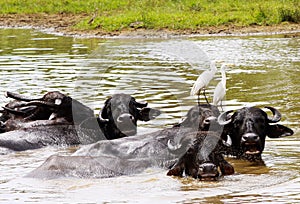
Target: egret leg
(198, 98)
(205, 96)
(221, 106)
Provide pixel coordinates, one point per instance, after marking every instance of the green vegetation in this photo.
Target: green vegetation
(115, 15)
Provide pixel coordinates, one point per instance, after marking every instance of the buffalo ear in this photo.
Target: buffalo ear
(147, 114)
(276, 131)
(103, 112)
(226, 168)
(176, 170)
(141, 104)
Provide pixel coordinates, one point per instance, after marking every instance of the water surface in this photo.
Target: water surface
(263, 71)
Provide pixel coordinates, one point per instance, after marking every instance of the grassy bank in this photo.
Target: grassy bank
(117, 15)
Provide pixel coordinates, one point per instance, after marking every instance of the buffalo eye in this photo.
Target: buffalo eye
(260, 121)
(237, 123)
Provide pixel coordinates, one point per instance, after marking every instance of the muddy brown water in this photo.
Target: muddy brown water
(263, 70)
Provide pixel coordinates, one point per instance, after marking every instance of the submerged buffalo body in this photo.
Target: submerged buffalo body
(248, 128)
(73, 123)
(131, 155)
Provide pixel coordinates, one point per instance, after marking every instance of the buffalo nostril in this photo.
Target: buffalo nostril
(206, 121)
(209, 119)
(125, 117)
(207, 167)
(208, 171)
(250, 137)
(120, 119)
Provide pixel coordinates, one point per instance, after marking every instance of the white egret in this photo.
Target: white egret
(203, 81)
(220, 90)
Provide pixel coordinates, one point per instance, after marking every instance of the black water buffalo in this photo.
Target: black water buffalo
(131, 155)
(118, 118)
(248, 128)
(53, 108)
(15, 110)
(202, 156)
(120, 114)
(203, 117)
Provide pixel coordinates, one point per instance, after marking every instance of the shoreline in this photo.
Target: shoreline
(62, 24)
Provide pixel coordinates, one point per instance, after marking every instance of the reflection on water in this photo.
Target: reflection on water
(264, 71)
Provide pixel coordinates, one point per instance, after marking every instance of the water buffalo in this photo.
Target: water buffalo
(53, 108)
(118, 118)
(248, 128)
(201, 117)
(129, 155)
(16, 110)
(120, 114)
(13, 111)
(202, 156)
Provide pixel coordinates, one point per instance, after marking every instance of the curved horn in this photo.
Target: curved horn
(276, 115)
(19, 97)
(100, 117)
(41, 103)
(222, 118)
(172, 147)
(175, 149)
(13, 111)
(228, 142)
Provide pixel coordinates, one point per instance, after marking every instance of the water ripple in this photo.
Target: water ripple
(264, 71)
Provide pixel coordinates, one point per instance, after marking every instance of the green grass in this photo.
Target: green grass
(115, 15)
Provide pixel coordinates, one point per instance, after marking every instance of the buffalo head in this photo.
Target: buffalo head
(248, 128)
(202, 157)
(16, 110)
(56, 105)
(201, 117)
(120, 114)
(41, 108)
(52, 106)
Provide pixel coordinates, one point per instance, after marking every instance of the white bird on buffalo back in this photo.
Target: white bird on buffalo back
(203, 81)
(220, 90)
